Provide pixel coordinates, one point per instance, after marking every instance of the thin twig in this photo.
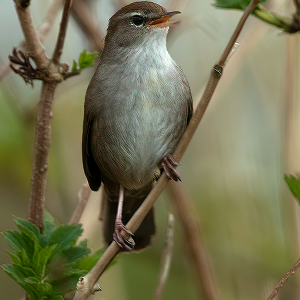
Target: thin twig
(83, 16)
(284, 279)
(49, 18)
(166, 259)
(86, 284)
(193, 240)
(62, 32)
(83, 196)
(33, 44)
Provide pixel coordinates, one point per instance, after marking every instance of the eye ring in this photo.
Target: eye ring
(137, 20)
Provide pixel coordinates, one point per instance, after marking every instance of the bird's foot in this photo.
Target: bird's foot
(168, 162)
(121, 241)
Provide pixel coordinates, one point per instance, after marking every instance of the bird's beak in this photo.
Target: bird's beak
(162, 21)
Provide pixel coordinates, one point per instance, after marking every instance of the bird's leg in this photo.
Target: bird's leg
(121, 241)
(168, 163)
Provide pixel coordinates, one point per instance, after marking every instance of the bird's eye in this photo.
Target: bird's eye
(137, 20)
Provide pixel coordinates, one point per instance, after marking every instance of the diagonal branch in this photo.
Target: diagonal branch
(194, 242)
(62, 33)
(49, 18)
(82, 14)
(284, 279)
(85, 286)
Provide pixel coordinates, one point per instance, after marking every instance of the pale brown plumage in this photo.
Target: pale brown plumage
(137, 107)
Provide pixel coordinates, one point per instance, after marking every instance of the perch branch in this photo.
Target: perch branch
(85, 286)
(166, 260)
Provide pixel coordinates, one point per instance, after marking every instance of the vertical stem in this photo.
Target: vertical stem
(62, 33)
(41, 151)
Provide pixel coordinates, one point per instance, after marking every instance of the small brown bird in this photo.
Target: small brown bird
(137, 107)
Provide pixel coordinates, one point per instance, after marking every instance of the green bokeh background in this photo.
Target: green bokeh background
(232, 171)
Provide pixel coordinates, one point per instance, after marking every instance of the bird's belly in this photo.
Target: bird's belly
(131, 145)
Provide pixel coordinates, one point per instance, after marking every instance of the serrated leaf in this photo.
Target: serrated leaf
(18, 241)
(26, 262)
(14, 258)
(19, 274)
(40, 262)
(34, 246)
(74, 253)
(66, 283)
(23, 223)
(32, 280)
(50, 224)
(294, 185)
(64, 235)
(42, 288)
(88, 262)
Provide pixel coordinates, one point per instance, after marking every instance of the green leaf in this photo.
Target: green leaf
(23, 223)
(74, 253)
(18, 241)
(14, 258)
(294, 185)
(19, 274)
(42, 288)
(85, 60)
(75, 68)
(34, 247)
(88, 262)
(50, 224)
(26, 262)
(233, 4)
(66, 283)
(64, 236)
(40, 262)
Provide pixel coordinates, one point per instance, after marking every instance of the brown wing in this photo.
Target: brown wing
(190, 110)
(91, 169)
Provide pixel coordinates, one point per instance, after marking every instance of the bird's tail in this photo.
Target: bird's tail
(143, 235)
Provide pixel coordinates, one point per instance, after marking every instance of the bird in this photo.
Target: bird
(137, 107)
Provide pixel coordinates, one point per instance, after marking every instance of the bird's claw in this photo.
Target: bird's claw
(168, 162)
(120, 240)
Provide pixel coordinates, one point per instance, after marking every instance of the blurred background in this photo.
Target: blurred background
(232, 172)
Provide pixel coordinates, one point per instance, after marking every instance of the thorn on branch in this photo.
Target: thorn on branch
(26, 70)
